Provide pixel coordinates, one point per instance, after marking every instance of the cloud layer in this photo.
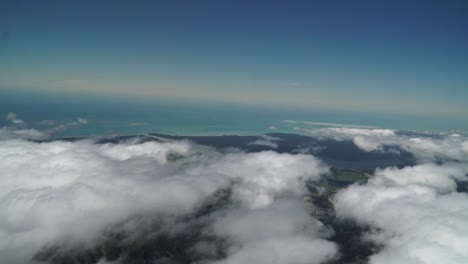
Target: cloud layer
(425, 147)
(73, 193)
(19, 129)
(46, 188)
(416, 214)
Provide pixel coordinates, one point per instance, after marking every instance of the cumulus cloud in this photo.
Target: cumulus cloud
(343, 133)
(266, 140)
(46, 188)
(424, 147)
(268, 175)
(58, 127)
(12, 117)
(294, 250)
(281, 232)
(19, 129)
(33, 134)
(81, 120)
(416, 213)
(269, 220)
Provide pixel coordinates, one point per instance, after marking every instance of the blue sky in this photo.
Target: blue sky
(402, 57)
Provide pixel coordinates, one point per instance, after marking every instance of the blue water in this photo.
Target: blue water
(133, 115)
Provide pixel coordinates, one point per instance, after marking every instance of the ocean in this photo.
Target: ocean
(138, 115)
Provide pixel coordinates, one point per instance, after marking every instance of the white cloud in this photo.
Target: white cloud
(281, 232)
(263, 142)
(267, 175)
(345, 133)
(266, 140)
(293, 250)
(419, 215)
(19, 129)
(6, 133)
(415, 213)
(81, 120)
(46, 188)
(12, 117)
(270, 221)
(424, 147)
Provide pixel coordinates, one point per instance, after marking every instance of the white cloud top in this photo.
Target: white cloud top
(415, 213)
(68, 193)
(425, 148)
(71, 191)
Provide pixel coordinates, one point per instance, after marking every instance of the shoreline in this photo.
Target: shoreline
(155, 134)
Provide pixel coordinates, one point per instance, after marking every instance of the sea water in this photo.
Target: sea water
(136, 115)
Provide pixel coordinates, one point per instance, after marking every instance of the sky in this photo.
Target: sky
(389, 57)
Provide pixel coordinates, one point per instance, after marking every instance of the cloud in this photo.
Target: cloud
(19, 129)
(293, 250)
(269, 219)
(263, 142)
(266, 140)
(6, 133)
(345, 133)
(64, 126)
(281, 232)
(416, 213)
(425, 147)
(46, 188)
(268, 175)
(135, 190)
(81, 120)
(12, 117)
